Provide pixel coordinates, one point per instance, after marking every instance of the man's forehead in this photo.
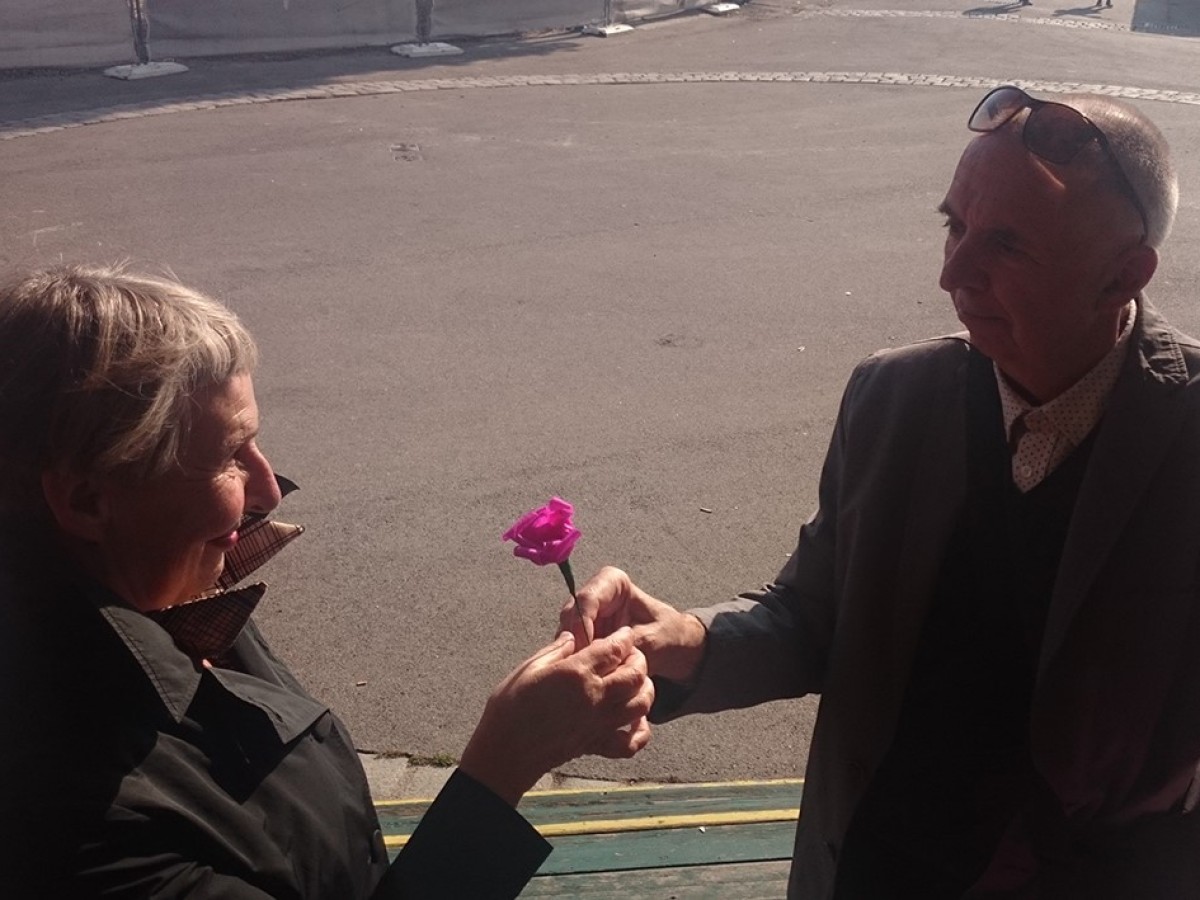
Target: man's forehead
(998, 165)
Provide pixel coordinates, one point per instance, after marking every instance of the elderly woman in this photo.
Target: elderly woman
(153, 745)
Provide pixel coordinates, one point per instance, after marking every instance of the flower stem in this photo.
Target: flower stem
(565, 568)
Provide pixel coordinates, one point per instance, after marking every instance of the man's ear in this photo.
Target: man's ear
(1136, 267)
(77, 502)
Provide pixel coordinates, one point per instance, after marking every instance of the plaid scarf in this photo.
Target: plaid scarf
(206, 626)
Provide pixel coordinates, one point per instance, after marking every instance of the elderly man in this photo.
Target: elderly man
(997, 597)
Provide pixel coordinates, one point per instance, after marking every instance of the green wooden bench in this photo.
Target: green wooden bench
(725, 840)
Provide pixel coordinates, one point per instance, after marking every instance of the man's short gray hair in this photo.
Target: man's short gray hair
(97, 369)
(1143, 154)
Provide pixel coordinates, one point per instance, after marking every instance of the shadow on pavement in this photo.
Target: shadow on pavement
(994, 10)
(1089, 12)
(35, 93)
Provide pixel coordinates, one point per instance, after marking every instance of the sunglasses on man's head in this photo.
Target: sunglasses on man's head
(1053, 131)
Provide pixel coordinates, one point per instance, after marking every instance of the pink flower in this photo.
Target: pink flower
(545, 535)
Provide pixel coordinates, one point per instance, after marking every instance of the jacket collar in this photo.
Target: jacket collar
(260, 681)
(1156, 349)
(172, 674)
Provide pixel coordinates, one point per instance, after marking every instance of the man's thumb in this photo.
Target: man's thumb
(605, 655)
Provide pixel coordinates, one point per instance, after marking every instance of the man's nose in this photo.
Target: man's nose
(960, 267)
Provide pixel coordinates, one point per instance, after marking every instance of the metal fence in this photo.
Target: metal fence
(57, 33)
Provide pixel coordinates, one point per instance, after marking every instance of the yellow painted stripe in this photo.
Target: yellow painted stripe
(647, 823)
(628, 788)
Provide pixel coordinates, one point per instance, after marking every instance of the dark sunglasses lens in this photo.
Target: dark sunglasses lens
(997, 108)
(1057, 133)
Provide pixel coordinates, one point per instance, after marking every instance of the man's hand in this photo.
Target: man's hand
(558, 705)
(672, 641)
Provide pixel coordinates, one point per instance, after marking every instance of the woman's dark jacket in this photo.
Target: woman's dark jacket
(126, 770)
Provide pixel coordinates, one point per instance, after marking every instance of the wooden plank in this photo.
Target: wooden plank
(708, 831)
(661, 823)
(632, 792)
(754, 841)
(639, 850)
(645, 823)
(739, 881)
(398, 819)
(676, 847)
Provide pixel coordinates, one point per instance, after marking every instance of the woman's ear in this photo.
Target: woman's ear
(1137, 267)
(77, 503)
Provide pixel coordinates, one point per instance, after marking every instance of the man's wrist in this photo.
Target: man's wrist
(682, 659)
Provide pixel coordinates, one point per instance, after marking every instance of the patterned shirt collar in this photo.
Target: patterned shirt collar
(1073, 414)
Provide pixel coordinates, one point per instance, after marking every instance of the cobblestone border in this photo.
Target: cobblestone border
(47, 124)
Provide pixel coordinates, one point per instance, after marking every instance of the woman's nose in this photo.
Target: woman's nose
(262, 490)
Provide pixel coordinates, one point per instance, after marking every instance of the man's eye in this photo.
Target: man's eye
(954, 227)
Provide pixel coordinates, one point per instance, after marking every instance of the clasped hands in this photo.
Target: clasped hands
(588, 691)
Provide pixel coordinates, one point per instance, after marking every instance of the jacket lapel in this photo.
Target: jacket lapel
(937, 491)
(1136, 432)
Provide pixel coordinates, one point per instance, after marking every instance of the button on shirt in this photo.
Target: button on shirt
(1041, 437)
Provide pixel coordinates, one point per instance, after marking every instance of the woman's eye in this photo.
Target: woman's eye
(247, 455)
(238, 460)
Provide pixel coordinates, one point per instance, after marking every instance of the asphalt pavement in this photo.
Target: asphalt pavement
(634, 272)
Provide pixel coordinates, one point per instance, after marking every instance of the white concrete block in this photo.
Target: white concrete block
(145, 70)
(421, 51)
(720, 9)
(606, 30)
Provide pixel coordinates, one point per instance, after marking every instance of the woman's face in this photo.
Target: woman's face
(164, 539)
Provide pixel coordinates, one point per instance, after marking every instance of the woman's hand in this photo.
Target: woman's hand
(558, 705)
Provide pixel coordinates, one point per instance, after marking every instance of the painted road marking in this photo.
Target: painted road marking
(645, 823)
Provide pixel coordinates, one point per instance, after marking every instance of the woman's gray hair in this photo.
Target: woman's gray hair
(1143, 154)
(97, 369)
